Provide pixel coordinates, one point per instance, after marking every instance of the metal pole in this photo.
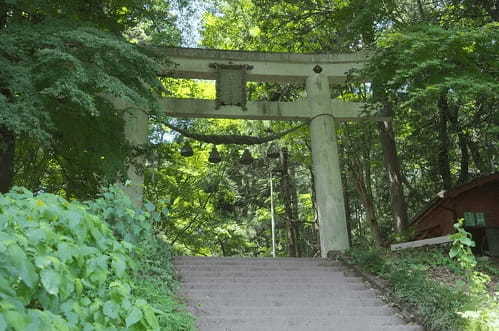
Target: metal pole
(272, 213)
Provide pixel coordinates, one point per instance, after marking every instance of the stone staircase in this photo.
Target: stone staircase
(283, 294)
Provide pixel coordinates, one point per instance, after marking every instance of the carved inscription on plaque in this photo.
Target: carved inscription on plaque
(231, 85)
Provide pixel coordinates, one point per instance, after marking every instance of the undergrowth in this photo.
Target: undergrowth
(441, 285)
(74, 266)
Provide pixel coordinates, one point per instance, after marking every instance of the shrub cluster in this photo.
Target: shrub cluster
(62, 268)
(459, 302)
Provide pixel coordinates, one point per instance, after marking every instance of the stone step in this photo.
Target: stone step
(278, 286)
(256, 268)
(328, 301)
(268, 281)
(287, 324)
(303, 275)
(273, 293)
(239, 258)
(273, 327)
(284, 294)
(213, 261)
(303, 317)
(295, 310)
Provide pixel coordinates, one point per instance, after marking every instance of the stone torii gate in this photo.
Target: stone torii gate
(231, 70)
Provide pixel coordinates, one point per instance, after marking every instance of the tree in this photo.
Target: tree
(432, 70)
(449, 73)
(55, 75)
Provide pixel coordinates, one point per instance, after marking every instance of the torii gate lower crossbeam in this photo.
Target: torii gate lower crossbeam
(318, 108)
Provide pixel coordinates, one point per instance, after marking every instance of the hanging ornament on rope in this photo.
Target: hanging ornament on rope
(214, 156)
(246, 158)
(231, 139)
(187, 150)
(273, 151)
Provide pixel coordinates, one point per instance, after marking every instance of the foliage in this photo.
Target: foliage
(461, 247)
(154, 272)
(430, 282)
(486, 312)
(418, 64)
(62, 67)
(106, 15)
(433, 68)
(62, 269)
(57, 82)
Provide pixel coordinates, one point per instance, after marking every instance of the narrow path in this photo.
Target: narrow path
(284, 294)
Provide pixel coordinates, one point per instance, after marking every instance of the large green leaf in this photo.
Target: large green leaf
(119, 265)
(111, 309)
(134, 316)
(16, 320)
(3, 323)
(150, 317)
(19, 264)
(51, 281)
(467, 241)
(6, 287)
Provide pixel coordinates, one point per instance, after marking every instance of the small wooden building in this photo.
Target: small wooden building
(476, 201)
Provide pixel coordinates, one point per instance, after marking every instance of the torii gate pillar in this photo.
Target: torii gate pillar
(326, 167)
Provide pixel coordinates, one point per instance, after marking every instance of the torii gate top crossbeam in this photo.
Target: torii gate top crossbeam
(195, 63)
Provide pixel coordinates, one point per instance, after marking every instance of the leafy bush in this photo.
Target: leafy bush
(63, 269)
(153, 275)
(451, 305)
(483, 313)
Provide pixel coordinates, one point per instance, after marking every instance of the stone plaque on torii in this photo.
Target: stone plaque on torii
(231, 70)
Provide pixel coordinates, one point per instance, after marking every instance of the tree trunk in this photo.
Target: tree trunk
(392, 165)
(443, 136)
(464, 173)
(477, 158)
(463, 143)
(348, 212)
(222, 247)
(315, 227)
(367, 201)
(287, 199)
(298, 225)
(7, 149)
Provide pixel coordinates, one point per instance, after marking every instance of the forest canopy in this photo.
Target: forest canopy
(433, 70)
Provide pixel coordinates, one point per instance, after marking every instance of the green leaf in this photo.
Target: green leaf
(42, 261)
(16, 320)
(119, 266)
(19, 264)
(78, 286)
(36, 235)
(149, 207)
(467, 241)
(453, 252)
(150, 317)
(65, 252)
(51, 281)
(3, 323)
(111, 309)
(133, 317)
(5, 287)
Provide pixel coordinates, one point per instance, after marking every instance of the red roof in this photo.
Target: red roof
(443, 196)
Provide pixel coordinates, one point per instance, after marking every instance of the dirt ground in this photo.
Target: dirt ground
(446, 276)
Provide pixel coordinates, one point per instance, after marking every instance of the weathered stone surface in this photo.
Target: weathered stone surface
(194, 63)
(326, 167)
(300, 110)
(287, 294)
